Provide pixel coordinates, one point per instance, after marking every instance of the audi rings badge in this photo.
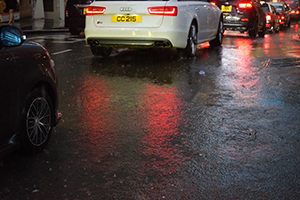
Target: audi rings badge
(125, 9)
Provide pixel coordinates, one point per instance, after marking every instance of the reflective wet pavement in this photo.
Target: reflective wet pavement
(150, 125)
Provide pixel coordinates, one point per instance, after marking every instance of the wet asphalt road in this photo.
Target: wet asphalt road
(147, 124)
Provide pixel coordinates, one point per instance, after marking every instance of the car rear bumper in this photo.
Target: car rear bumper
(131, 37)
(238, 26)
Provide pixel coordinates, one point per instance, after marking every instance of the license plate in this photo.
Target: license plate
(226, 8)
(126, 18)
(84, 11)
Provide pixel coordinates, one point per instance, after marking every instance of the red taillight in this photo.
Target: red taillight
(91, 10)
(67, 13)
(165, 10)
(244, 19)
(213, 3)
(282, 17)
(245, 5)
(297, 12)
(268, 17)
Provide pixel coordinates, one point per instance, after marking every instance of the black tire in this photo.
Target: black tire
(101, 51)
(219, 36)
(74, 31)
(262, 32)
(289, 24)
(191, 47)
(254, 30)
(37, 122)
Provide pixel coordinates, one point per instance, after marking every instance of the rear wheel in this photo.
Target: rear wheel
(37, 122)
(74, 31)
(263, 31)
(101, 51)
(219, 37)
(191, 47)
(254, 30)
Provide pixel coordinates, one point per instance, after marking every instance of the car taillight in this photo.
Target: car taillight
(213, 3)
(165, 10)
(245, 5)
(91, 10)
(268, 17)
(282, 17)
(297, 12)
(67, 13)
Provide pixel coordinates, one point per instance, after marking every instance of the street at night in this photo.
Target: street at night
(150, 124)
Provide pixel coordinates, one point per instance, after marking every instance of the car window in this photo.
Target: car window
(279, 8)
(272, 9)
(266, 8)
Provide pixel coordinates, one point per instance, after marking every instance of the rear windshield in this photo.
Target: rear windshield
(291, 3)
(266, 8)
(279, 7)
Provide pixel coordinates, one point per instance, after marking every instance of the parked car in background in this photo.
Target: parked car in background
(28, 93)
(244, 16)
(272, 21)
(75, 15)
(152, 24)
(295, 8)
(284, 11)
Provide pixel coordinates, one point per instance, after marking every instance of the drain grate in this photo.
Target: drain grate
(284, 62)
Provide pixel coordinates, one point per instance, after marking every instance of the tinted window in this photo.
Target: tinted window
(266, 8)
(279, 8)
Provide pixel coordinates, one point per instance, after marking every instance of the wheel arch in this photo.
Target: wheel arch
(50, 91)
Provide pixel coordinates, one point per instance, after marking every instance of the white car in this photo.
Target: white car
(180, 24)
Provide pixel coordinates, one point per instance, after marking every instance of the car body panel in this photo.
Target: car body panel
(170, 29)
(22, 69)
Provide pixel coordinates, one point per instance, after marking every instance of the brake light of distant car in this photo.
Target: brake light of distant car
(245, 5)
(244, 19)
(268, 17)
(165, 10)
(92, 10)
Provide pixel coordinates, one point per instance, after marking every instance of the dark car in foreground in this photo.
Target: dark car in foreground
(243, 16)
(28, 93)
(75, 15)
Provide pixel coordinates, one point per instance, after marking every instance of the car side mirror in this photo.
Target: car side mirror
(11, 36)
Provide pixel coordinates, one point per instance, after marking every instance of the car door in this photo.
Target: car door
(8, 94)
(212, 19)
(207, 19)
(201, 13)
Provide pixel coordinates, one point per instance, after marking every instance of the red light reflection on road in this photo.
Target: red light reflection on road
(93, 102)
(240, 70)
(162, 112)
(243, 63)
